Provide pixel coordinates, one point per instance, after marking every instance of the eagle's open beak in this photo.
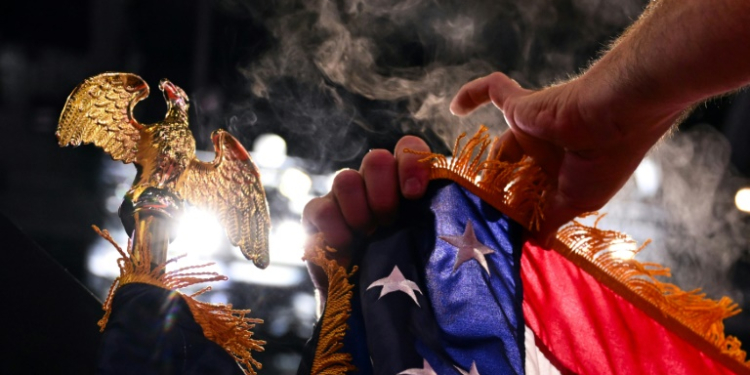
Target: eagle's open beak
(169, 89)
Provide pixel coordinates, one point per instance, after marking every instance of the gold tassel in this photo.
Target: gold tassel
(229, 328)
(328, 361)
(518, 190)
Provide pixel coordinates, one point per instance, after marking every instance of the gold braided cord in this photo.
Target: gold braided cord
(328, 359)
(229, 328)
(518, 190)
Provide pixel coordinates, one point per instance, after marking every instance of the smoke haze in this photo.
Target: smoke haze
(331, 62)
(696, 229)
(344, 72)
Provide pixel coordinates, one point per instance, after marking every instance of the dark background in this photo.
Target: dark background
(254, 67)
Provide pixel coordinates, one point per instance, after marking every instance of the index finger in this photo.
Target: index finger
(495, 87)
(413, 175)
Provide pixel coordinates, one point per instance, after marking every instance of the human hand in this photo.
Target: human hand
(360, 201)
(576, 133)
(577, 137)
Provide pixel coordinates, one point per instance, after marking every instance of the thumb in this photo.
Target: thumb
(496, 87)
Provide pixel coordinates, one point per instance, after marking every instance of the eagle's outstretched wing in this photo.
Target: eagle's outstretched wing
(100, 111)
(230, 186)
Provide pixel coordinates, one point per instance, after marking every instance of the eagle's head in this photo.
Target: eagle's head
(176, 98)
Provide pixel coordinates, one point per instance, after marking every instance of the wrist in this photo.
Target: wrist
(626, 104)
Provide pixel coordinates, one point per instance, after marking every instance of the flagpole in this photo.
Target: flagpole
(152, 223)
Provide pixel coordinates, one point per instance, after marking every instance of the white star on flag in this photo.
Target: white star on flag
(469, 247)
(472, 371)
(396, 282)
(425, 370)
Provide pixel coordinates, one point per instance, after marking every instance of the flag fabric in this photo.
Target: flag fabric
(152, 331)
(452, 288)
(589, 329)
(449, 288)
(149, 327)
(439, 291)
(444, 292)
(537, 360)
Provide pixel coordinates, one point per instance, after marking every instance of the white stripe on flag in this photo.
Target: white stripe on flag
(536, 362)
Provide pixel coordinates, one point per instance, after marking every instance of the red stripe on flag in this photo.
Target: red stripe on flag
(589, 329)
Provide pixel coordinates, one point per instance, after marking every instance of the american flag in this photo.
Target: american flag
(452, 288)
(439, 292)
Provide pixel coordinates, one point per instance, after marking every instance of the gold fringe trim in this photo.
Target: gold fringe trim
(517, 190)
(229, 328)
(337, 310)
(611, 252)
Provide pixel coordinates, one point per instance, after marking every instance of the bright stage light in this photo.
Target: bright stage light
(742, 199)
(113, 204)
(269, 151)
(287, 243)
(329, 180)
(623, 249)
(294, 184)
(199, 234)
(274, 275)
(304, 306)
(648, 177)
(102, 260)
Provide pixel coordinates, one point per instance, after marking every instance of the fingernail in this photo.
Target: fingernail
(412, 186)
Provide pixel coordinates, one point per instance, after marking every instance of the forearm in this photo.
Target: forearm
(678, 53)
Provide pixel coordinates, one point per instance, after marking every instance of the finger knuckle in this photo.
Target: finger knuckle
(347, 182)
(320, 209)
(377, 157)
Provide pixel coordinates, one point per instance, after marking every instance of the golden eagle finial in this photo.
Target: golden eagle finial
(100, 111)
